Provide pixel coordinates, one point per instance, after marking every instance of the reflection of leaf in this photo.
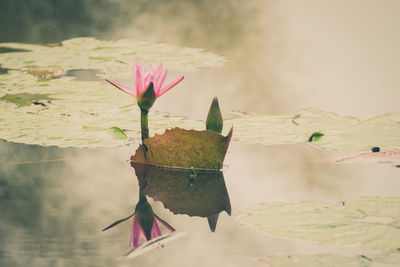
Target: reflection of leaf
(341, 132)
(324, 260)
(184, 148)
(367, 222)
(206, 195)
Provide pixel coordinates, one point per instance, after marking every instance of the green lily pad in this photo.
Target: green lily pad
(315, 136)
(24, 99)
(365, 222)
(185, 149)
(341, 132)
(325, 260)
(185, 191)
(117, 133)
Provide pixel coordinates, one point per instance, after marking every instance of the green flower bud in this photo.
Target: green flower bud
(214, 120)
(147, 99)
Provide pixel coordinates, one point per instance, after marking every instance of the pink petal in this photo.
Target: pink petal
(139, 78)
(159, 82)
(158, 72)
(150, 70)
(169, 86)
(155, 230)
(148, 80)
(136, 234)
(122, 87)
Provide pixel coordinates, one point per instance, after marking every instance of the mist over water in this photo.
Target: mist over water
(283, 56)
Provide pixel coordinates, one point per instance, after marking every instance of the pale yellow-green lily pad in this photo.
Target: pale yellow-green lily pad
(40, 105)
(337, 132)
(112, 58)
(365, 222)
(324, 260)
(74, 113)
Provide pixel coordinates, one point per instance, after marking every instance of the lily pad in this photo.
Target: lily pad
(83, 109)
(312, 261)
(373, 157)
(24, 99)
(117, 133)
(315, 136)
(341, 132)
(184, 148)
(79, 114)
(365, 222)
(185, 191)
(113, 58)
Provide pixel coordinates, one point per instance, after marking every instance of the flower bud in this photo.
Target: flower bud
(147, 99)
(214, 120)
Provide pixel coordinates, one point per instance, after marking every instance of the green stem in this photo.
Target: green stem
(144, 124)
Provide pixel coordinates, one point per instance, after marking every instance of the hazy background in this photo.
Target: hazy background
(341, 56)
(284, 55)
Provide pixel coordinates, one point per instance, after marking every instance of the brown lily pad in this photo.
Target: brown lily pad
(185, 149)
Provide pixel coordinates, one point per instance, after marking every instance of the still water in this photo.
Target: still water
(53, 212)
(283, 56)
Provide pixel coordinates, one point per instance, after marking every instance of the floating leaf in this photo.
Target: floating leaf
(81, 110)
(341, 132)
(203, 195)
(373, 157)
(315, 136)
(117, 133)
(184, 148)
(24, 99)
(114, 58)
(5, 49)
(366, 222)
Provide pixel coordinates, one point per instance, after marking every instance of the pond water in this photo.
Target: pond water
(281, 57)
(53, 212)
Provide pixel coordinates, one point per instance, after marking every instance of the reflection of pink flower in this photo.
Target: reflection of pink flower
(138, 231)
(143, 80)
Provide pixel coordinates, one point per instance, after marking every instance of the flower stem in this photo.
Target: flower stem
(144, 123)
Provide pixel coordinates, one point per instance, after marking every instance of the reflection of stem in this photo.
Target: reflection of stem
(144, 123)
(142, 197)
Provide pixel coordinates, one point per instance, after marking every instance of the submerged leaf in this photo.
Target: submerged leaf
(184, 148)
(366, 222)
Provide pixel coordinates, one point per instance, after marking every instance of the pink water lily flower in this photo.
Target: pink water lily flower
(143, 80)
(138, 233)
